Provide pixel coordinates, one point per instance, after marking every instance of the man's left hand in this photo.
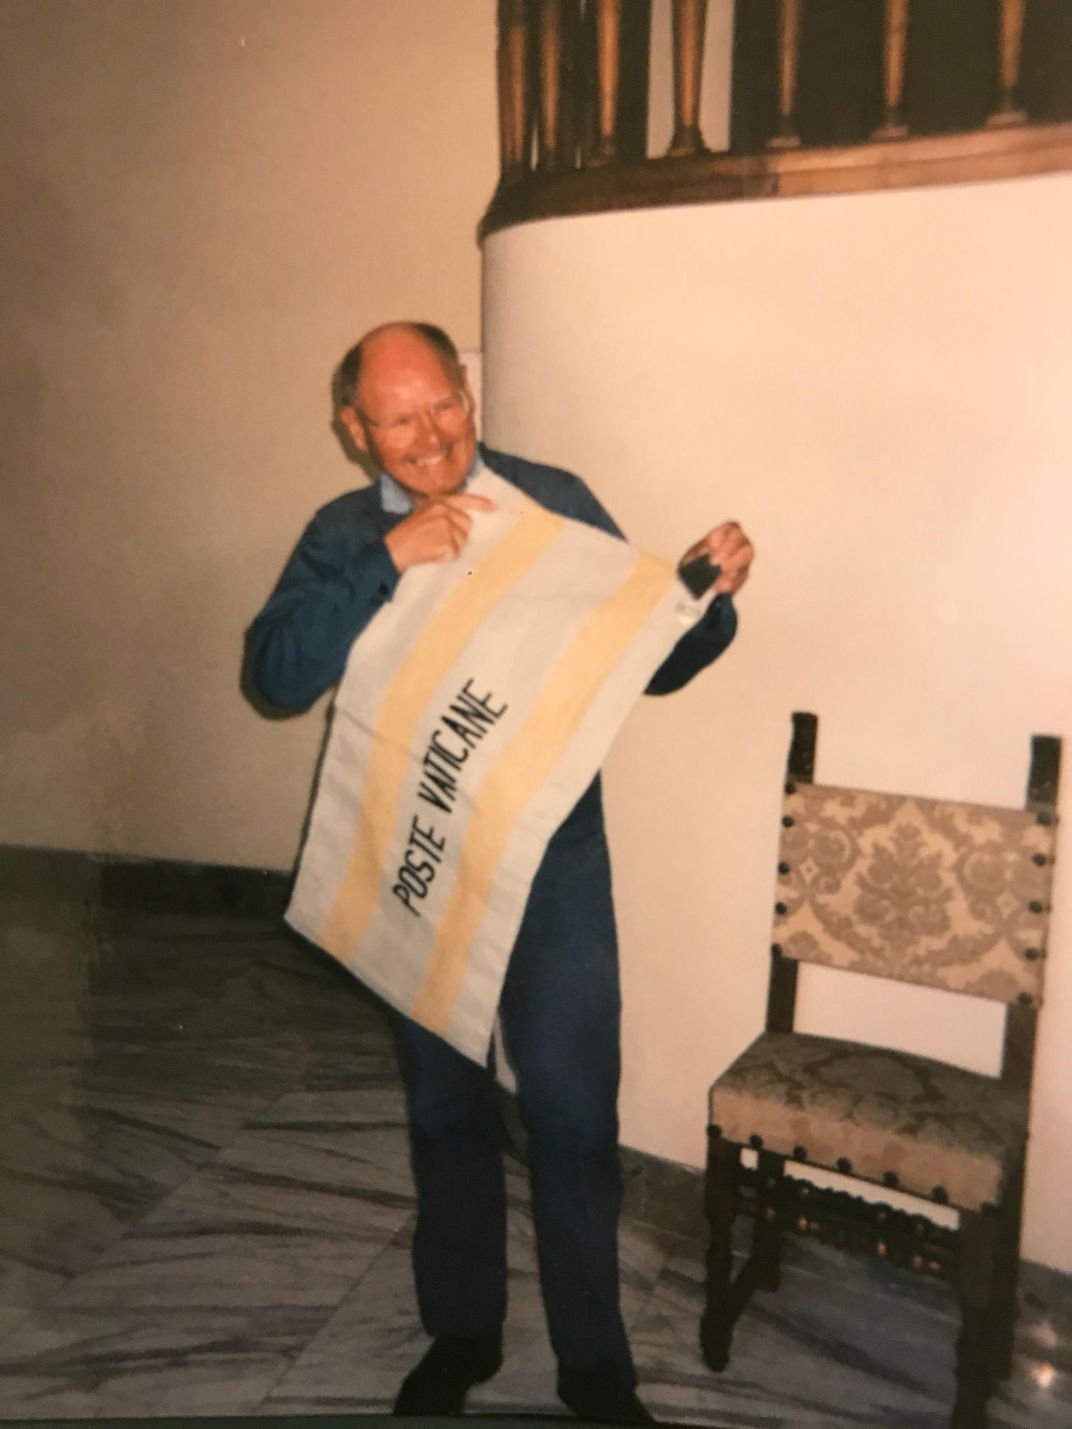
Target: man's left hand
(728, 547)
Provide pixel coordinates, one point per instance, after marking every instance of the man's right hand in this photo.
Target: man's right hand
(436, 530)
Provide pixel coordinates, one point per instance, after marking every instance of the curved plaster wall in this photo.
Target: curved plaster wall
(877, 387)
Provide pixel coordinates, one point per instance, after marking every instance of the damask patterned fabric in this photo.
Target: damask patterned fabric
(930, 1124)
(945, 894)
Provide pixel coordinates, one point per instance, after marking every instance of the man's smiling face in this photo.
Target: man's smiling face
(413, 413)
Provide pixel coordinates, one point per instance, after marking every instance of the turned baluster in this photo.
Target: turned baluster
(515, 111)
(689, 21)
(608, 20)
(788, 66)
(573, 85)
(550, 35)
(894, 42)
(1011, 41)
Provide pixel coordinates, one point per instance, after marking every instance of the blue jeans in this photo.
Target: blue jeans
(560, 1012)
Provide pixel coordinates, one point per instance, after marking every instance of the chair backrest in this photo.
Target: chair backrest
(944, 894)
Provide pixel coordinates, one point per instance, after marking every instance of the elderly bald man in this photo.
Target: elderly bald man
(405, 400)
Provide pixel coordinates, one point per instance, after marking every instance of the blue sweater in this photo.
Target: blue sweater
(341, 573)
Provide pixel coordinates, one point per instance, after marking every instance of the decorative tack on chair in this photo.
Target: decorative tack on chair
(942, 894)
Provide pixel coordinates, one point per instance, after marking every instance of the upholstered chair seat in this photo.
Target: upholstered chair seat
(900, 1120)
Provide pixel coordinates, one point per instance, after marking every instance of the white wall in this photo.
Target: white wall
(878, 387)
(206, 202)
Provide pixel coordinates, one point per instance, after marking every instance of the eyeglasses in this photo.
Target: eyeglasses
(449, 414)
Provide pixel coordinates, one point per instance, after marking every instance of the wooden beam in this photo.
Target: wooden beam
(982, 155)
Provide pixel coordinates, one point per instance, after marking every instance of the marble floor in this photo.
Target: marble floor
(206, 1208)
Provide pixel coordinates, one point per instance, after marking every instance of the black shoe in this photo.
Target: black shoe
(602, 1393)
(445, 1375)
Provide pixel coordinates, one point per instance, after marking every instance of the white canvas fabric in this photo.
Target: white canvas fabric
(475, 709)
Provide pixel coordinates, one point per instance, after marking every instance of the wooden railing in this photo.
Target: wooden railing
(574, 94)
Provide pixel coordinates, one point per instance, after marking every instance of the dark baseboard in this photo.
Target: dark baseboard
(151, 885)
(663, 1193)
(165, 886)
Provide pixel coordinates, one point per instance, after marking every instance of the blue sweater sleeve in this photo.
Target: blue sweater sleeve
(697, 648)
(297, 646)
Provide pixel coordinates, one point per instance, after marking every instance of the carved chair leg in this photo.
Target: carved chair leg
(720, 1200)
(975, 1291)
(1006, 1276)
(767, 1229)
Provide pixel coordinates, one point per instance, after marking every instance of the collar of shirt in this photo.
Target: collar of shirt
(396, 500)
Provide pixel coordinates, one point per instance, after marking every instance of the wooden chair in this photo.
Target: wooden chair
(948, 895)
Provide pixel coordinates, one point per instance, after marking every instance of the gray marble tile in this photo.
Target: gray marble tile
(74, 1177)
(227, 1238)
(1044, 1326)
(526, 1383)
(1032, 1399)
(325, 1114)
(132, 1144)
(44, 1007)
(130, 1362)
(843, 1343)
(774, 1378)
(252, 1071)
(351, 1143)
(357, 1360)
(12, 1313)
(337, 1064)
(60, 1211)
(40, 1268)
(207, 1203)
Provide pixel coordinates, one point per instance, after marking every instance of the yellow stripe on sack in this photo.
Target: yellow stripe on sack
(433, 653)
(520, 770)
